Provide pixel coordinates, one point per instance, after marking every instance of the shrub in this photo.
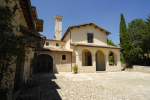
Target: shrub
(75, 68)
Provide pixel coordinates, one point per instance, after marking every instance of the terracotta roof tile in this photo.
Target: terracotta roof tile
(95, 45)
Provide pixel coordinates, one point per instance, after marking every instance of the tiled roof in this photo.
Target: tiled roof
(59, 49)
(94, 45)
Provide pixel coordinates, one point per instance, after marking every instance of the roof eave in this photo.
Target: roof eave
(31, 14)
(97, 46)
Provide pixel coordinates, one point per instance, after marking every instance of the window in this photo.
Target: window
(47, 44)
(57, 44)
(63, 57)
(90, 37)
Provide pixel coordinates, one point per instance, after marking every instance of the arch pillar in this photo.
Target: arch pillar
(118, 60)
(94, 59)
(79, 60)
(106, 60)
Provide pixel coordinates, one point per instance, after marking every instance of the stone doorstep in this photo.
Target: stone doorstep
(100, 71)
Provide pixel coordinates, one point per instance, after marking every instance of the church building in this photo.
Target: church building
(83, 44)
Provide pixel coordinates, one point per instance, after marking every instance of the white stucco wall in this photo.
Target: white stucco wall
(68, 40)
(79, 35)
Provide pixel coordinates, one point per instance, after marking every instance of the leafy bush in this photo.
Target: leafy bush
(75, 68)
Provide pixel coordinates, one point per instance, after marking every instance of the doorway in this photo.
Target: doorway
(45, 63)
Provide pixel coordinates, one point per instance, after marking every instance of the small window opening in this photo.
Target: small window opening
(47, 44)
(63, 57)
(57, 44)
(90, 38)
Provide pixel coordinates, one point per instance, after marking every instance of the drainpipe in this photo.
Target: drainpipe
(71, 61)
(71, 52)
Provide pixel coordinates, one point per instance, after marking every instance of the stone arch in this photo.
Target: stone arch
(86, 58)
(100, 61)
(112, 58)
(46, 54)
(45, 63)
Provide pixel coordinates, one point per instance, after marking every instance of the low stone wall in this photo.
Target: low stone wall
(87, 69)
(61, 68)
(138, 68)
(113, 68)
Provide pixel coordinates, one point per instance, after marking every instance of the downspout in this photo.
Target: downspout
(71, 52)
(71, 61)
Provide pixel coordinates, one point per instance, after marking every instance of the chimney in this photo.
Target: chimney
(58, 27)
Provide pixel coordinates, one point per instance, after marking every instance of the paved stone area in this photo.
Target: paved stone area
(88, 86)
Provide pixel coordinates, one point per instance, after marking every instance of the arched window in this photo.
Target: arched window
(111, 58)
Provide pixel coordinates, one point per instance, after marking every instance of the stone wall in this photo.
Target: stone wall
(87, 69)
(138, 68)
(27, 68)
(59, 65)
(113, 68)
(19, 20)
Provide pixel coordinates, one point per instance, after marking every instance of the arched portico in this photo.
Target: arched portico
(45, 63)
(86, 58)
(112, 58)
(100, 61)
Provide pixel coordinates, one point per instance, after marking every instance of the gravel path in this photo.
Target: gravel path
(90, 86)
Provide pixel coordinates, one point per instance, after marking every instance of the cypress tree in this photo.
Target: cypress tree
(125, 42)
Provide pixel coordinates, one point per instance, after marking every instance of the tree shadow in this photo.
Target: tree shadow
(40, 87)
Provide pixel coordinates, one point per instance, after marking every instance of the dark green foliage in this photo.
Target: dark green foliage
(109, 42)
(13, 49)
(110, 59)
(125, 42)
(122, 58)
(147, 22)
(140, 38)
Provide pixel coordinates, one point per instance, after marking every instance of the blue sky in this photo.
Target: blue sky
(105, 13)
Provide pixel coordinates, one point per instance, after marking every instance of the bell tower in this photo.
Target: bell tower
(58, 27)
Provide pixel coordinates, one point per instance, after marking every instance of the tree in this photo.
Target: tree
(125, 42)
(148, 35)
(109, 42)
(140, 37)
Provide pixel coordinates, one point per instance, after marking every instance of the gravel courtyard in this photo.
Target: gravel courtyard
(88, 86)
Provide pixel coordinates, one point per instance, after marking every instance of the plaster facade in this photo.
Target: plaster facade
(88, 58)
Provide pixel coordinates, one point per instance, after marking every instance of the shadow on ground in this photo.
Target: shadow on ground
(40, 87)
